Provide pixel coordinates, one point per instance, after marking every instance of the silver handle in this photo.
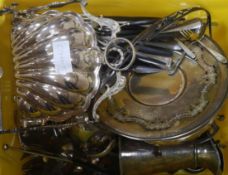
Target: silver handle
(217, 55)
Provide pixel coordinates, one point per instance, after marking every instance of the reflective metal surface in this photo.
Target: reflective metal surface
(141, 158)
(57, 62)
(168, 90)
(150, 81)
(158, 107)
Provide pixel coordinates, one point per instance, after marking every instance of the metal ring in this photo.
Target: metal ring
(132, 58)
(195, 170)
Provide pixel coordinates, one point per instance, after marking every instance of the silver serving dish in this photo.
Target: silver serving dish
(57, 62)
(160, 107)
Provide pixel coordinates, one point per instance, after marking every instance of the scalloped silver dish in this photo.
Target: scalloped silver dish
(57, 62)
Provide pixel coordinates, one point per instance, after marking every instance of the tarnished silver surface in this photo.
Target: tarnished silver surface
(158, 107)
(141, 158)
(57, 62)
(116, 88)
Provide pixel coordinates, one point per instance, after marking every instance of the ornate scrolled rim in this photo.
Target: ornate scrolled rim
(199, 128)
(117, 87)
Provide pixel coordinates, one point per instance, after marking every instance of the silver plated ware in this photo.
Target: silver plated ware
(141, 158)
(159, 107)
(57, 65)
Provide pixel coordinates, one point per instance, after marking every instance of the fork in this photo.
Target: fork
(191, 36)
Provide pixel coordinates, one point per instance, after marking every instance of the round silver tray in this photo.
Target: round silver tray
(159, 107)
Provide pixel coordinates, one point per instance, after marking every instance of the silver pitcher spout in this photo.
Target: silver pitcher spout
(209, 156)
(141, 158)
